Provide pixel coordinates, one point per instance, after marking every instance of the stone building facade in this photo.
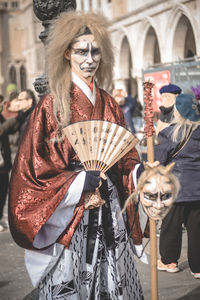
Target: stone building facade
(146, 34)
(21, 51)
(152, 35)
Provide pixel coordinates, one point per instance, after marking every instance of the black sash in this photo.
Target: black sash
(106, 224)
(107, 221)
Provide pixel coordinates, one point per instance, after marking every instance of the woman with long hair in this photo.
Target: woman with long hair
(180, 143)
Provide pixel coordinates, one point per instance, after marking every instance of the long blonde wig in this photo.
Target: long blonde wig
(63, 31)
(182, 125)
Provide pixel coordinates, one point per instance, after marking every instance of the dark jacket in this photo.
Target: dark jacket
(5, 149)
(128, 108)
(14, 128)
(167, 114)
(187, 163)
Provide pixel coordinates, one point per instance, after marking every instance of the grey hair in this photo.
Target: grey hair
(63, 31)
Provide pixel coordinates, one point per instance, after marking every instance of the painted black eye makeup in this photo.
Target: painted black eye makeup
(85, 52)
(95, 51)
(80, 51)
(166, 196)
(151, 196)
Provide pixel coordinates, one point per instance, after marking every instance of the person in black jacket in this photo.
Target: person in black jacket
(21, 106)
(1, 99)
(180, 143)
(5, 166)
(127, 105)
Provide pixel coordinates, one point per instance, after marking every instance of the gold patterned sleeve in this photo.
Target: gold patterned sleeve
(39, 178)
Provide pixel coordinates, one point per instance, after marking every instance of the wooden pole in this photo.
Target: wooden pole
(149, 131)
(153, 239)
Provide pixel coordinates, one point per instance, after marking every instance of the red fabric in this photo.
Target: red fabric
(91, 85)
(66, 236)
(40, 178)
(133, 215)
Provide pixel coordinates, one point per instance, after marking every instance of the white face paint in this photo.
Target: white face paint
(84, 57)
(157, 196)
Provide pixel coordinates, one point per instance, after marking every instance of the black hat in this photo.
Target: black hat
(170, 88)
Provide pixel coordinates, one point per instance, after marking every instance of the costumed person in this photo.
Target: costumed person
(179, 143)
(168, 95)
(74, 252)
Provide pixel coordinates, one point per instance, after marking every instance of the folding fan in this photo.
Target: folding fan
(99, 144)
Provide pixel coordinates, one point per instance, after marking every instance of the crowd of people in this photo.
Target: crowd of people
(14, 113)
(71, 250)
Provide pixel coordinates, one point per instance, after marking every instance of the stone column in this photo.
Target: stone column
(45, 11)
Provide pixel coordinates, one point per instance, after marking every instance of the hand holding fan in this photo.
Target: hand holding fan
(99, 144)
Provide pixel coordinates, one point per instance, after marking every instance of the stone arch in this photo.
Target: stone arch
(23, 79)
(12, 74)
(181, 17)
(125, 59)
(125, 66)
(149, 43)
(184, 45)
(151, 48)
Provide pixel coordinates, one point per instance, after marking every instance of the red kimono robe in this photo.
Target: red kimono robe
(40, 176)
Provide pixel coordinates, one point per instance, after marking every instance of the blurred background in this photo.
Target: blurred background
(153, 39)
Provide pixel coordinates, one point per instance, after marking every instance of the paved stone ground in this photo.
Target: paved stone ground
(171, 286)
(15, 283)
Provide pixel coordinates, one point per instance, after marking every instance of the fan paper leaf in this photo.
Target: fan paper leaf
(99, 144)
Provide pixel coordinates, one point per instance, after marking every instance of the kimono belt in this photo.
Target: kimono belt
(93, 226)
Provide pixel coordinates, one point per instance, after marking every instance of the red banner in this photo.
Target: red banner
(158, 79)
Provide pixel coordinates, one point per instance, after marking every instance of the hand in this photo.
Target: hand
(93, 200)
(92, 180)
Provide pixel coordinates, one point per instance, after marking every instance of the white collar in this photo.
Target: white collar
(85, 88)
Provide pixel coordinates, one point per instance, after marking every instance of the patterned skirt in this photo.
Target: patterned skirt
(99, 264)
